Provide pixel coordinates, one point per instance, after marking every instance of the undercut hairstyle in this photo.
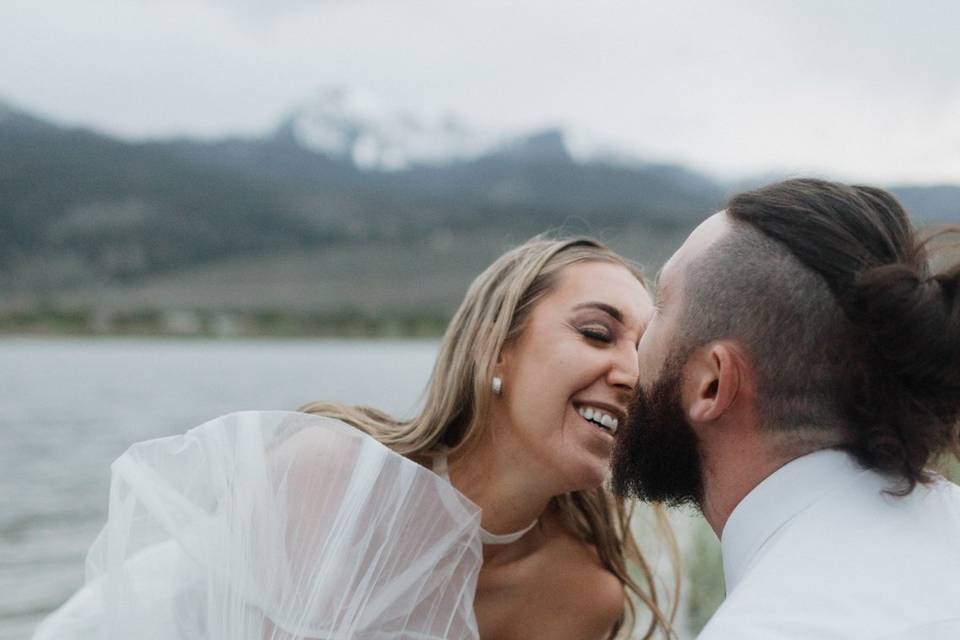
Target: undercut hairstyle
(783, 317)
(855, 340)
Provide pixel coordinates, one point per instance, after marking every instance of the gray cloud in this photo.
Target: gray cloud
(858, 89)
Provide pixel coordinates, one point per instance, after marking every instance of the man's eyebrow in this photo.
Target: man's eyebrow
(613, 312)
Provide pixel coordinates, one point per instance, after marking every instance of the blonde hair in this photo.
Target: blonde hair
(458, 399)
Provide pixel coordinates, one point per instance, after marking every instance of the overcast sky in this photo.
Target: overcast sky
(859, 89)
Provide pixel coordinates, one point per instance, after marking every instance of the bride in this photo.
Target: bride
(484, 516)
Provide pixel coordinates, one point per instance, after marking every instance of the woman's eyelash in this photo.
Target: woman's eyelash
(593, 333)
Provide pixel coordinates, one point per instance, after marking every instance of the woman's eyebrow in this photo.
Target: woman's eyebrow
(613, 312)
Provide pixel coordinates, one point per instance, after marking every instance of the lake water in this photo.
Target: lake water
(69, 407)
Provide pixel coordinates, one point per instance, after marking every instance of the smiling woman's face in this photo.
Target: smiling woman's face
(577, 355)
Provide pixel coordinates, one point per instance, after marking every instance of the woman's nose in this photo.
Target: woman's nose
(625, 369)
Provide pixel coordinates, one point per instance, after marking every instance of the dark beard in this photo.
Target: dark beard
(656, 457)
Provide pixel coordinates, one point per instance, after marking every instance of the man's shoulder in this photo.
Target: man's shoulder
(860, 563)
(940, 630)
(727, 625)
(872, 511)
(864, 537)
(730, 623)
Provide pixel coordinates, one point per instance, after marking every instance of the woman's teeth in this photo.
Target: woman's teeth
(599, 418)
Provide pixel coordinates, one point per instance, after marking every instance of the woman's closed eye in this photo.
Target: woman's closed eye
(597, 333)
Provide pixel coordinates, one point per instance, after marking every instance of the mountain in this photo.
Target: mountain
(76, 205)
(435, 171)
(79, 209)
(935, 203)
(354, 126)
(13, 118)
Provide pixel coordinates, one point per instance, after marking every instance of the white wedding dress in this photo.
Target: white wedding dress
(276, 526)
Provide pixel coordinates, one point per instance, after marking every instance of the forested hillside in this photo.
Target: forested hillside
(88, 221)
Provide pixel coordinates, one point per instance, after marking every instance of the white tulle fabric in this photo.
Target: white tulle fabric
(276, 526)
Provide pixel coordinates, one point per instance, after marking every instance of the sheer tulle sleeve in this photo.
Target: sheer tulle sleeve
(279, 526)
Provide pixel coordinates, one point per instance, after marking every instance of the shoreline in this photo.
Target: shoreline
(224, 323)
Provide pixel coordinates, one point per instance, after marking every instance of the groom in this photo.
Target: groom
(800, 373)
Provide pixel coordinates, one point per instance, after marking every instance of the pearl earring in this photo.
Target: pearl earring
(497, 385)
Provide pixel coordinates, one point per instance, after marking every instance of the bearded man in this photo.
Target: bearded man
(799, 377)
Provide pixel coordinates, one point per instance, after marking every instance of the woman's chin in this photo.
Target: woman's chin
(588, 475)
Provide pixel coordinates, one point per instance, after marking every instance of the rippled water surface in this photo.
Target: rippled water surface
(68, 407)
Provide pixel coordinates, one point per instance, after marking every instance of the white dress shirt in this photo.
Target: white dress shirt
(818, 550)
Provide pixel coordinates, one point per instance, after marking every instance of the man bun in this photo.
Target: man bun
(907, 377)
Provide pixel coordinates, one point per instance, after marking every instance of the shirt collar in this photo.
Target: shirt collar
(776, 500)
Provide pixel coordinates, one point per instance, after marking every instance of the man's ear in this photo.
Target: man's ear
(712, 381)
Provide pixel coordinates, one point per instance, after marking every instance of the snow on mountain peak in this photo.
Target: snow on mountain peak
(354, 124)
